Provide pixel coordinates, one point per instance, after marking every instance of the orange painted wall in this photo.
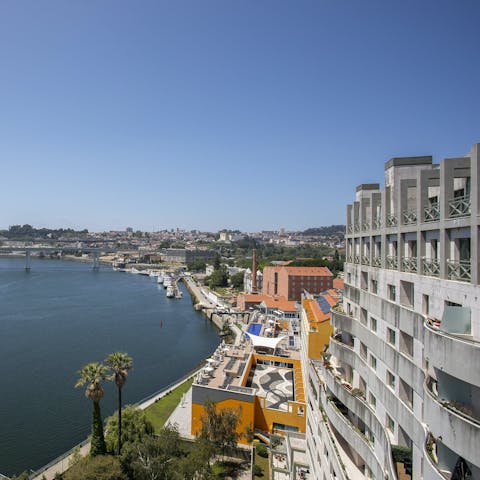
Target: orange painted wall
(265, 417)
(319, 339)
(246, 417)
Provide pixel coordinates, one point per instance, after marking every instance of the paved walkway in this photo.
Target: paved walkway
(181, 417)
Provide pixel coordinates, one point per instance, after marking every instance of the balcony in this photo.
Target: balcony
(455, 354)
(376, 262)
(356, 259)
(430, 467)
(432, 212)
(431, 267)
(365, 226)
(365, 260)
(459, 270)
(392, 262)
(356, 227)
(459, 431)
(459, 207)
(349, 258)
(410, 264)
(350, 229)
(355, 402)
(409, 217)
(377, 223)
(391, 220)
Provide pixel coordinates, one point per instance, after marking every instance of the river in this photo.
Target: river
(62, 315)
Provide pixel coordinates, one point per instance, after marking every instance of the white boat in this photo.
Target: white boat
(167, 281)
(153, 273)
(133, 270)
(170, 292)
(160, 277)
(144, 272)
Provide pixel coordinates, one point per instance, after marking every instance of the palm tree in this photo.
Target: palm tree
(119, 364)
(91, 375)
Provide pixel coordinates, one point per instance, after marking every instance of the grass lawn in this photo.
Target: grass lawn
(159, 412)
(263, 463)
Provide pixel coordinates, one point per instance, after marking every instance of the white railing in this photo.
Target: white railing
(459, 270)
(409, 217)
(391, 220)
(409, 264)
(460, 206)
(432, 212)
(392, 262)
(431, 267)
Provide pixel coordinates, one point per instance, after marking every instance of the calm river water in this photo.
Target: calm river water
(62, 315)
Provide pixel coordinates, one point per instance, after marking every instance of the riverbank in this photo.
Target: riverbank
(94, 314)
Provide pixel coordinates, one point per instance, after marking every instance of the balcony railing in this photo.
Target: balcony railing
(409, 264)
(431, 267)
(356, 227)
(409, 217)
(459, 270)
(356, 259)
(365, 260)
(392, 262)
(365, 226)
(460, 206)
(376, 261)
(350, 229)
(377, 223)
(391, 220)
(432, 212)
(349, 258)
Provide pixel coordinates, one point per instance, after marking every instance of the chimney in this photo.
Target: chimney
(254, 271)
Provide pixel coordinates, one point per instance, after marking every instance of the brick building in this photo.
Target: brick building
(290, 282)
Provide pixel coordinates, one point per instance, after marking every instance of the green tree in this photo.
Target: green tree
(219, 427)
(198, 265)
(154, 458)
(219, 278)
(92, 375)
(237, 280)
(119, 364)
(196, 465)
(101, 467)
(135, 426)
(216, 262)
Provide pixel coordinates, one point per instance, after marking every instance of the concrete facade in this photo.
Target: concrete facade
(403, 362)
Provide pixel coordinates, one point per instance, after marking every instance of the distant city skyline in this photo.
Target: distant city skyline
(209, 115)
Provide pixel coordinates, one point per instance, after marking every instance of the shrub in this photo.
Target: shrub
(101, 467)
(257, 470)
(262, 450)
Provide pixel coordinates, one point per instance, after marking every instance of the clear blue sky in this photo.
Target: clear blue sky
(256, 114)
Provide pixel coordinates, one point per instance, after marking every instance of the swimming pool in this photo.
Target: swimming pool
(255, 328)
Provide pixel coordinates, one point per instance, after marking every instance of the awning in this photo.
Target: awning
(258, 341)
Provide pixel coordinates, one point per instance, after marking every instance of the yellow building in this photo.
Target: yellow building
(316, 322)
(268, 390)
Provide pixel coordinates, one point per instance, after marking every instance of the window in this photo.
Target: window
(373, 362)
(390, 379)
(391, 336)
(407, 293)
(406, 343)
(390, 424)
(373, 324)
(425, 304)
(363, 316)
(363, 350)
(392, 293)
(372, 400)
(374, 284)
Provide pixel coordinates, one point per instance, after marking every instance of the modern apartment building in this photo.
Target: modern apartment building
(290, 282)
(402, 374)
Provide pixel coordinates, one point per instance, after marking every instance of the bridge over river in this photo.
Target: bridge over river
(93, 252)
